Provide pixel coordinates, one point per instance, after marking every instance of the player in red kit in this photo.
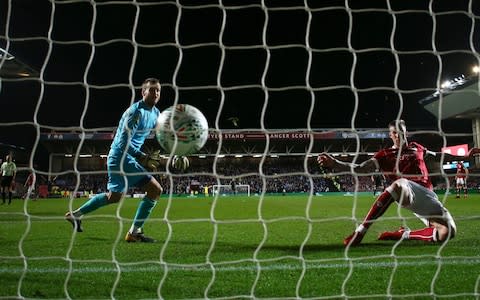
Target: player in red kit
(461, 179)
(30, 186)
(404, 166)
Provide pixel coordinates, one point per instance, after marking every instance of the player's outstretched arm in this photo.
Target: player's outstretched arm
(449, 157)
(327, 161)
(474, 152)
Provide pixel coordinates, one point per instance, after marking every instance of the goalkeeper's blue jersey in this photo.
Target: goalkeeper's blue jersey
(134, 127)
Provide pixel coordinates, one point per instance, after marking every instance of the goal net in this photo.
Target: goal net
(280, 82)
(227, 189)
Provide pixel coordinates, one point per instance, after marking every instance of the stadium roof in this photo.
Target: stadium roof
(12, 67)
(458, 98)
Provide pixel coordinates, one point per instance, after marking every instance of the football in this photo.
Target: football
(182, 130)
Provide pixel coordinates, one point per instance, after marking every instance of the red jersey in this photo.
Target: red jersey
(411, 164)
(31, 179)
(461, 172)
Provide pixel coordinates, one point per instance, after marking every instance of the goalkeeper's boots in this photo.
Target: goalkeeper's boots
(392, 235)
(354, 239)
(76, 222)
(138, 237)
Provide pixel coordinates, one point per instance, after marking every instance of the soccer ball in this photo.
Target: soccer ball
(181, 130)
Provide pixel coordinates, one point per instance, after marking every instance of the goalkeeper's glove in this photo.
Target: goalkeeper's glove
(150, 161)
(180, 162)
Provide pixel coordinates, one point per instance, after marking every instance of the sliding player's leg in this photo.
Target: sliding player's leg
(426, 206)
(394, 192)
(400, 191)
(439, 231)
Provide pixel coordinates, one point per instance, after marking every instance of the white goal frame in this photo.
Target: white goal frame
(217, 187)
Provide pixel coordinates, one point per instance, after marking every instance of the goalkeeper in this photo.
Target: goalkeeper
(404, 165)
(127, 165)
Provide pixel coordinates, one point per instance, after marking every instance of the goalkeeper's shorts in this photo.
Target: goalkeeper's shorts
(132, 174)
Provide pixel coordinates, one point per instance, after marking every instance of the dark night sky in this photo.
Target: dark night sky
(129, 42)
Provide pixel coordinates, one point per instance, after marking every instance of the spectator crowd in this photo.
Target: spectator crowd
(273, 176)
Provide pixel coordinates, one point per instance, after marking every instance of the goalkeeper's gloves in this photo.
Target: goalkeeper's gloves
(180, 162)
(150, 161)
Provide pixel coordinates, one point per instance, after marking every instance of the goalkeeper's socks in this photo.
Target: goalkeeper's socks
(94, 203)
(428, 234)
(9, 197)
(143, 211)
(4, 195)
(377, 210)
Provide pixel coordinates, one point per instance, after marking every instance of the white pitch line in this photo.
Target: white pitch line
(270, 267)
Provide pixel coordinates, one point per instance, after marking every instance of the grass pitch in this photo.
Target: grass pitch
(231, 248)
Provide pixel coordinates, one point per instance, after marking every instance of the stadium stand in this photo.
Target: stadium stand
(283, 166)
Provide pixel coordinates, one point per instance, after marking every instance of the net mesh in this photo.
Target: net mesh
(249, 66)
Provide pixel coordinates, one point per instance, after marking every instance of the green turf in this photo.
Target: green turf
(272, 247)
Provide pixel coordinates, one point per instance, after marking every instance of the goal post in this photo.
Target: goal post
(226, 189)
